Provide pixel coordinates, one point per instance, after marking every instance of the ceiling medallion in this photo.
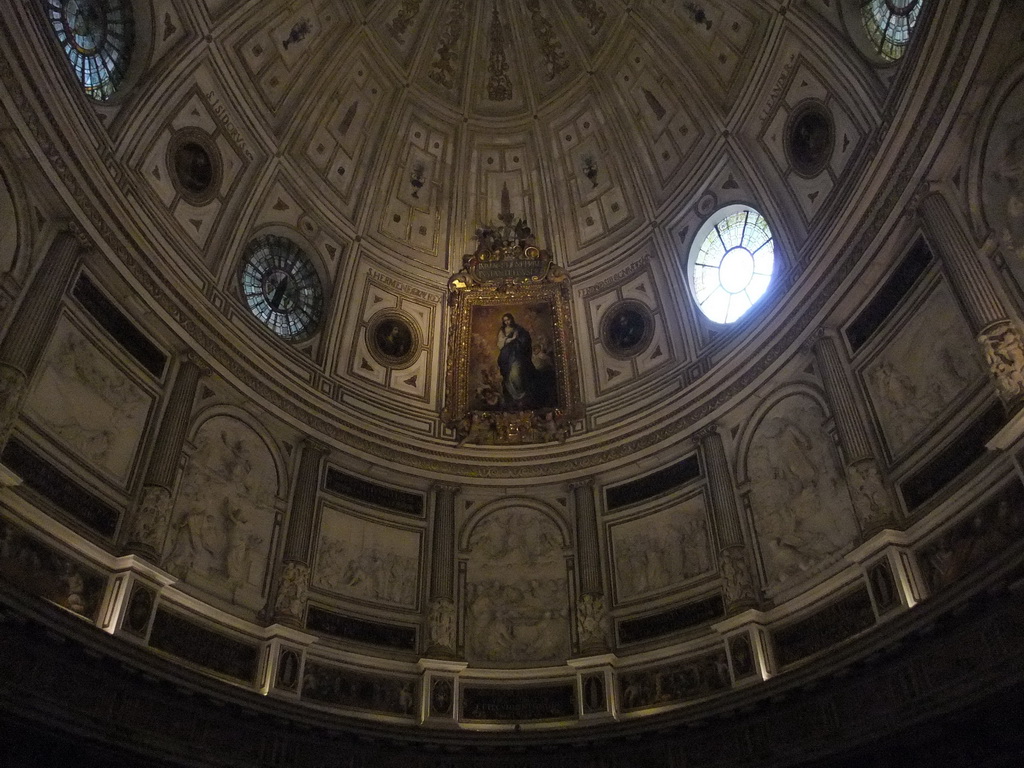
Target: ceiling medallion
(511, 374)
(627, 329)
(810, 137)
(392, 338)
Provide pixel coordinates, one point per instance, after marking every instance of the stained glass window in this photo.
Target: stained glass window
(889, 24)
(97, 37)
(281, 287)
(731, 263)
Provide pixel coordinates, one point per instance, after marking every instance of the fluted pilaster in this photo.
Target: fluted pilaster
(150, 518)
(33, 322)
(871, 498)
(734, 563)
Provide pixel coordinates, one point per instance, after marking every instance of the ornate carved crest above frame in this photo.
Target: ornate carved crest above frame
(511, 376)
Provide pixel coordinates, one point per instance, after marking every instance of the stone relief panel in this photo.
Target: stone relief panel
(278, 53)
(1003, 171)
(367, 560)
(396, 329)
(89, 404)
(412, 203)
(224, 516)
(661, 550)
(809, 134)
(597, 193)
(925, 367)
(346, 135)
(800, 504)
(627, 324)
(34, 567)
(652, 96)
(499, 88)
(516, 600)
(197, 158)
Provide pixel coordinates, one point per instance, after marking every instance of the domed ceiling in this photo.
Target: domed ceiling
(380, 136)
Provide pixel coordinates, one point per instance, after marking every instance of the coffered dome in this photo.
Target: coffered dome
(489, 373)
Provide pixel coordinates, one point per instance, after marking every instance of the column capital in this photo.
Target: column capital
(193, 357)
(314, 445)
(443, 487)
(708, 430)
(586, 483)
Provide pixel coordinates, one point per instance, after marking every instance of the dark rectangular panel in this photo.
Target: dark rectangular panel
(518, 704)
(199, 645)
(53, 485)
(830, 625)
(372, 493)
(360, 630)
(654, 484)
(675, 620)
(341, 687)
(954, 459)
(117, 324)
(889, 295)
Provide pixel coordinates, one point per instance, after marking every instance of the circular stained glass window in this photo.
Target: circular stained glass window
(889, 24)
(97, 37)
(731, 263)
(281, 287)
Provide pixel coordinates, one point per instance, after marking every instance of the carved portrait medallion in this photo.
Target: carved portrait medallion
(392, 338)
(810, 137)
(627, 329)
(195, 164)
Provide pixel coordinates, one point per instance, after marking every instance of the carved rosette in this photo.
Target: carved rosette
(871, 501)
(441, 625)
(737, 580)
(12, 389)
(292, 593)
(592, 623)
(1003, 344)
(151, 522)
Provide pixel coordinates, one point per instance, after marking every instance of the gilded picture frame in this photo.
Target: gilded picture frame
(511, 375)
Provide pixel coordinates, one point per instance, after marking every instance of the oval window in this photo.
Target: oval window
(97, 37)
(731, 263)
(889, 24)
(281, 287)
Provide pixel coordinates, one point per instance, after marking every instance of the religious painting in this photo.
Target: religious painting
(511, 374)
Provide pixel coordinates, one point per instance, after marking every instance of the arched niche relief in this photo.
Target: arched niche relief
(794, 489)
(15, 229)
(516, 584)
(996, 190)
(227, 511)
